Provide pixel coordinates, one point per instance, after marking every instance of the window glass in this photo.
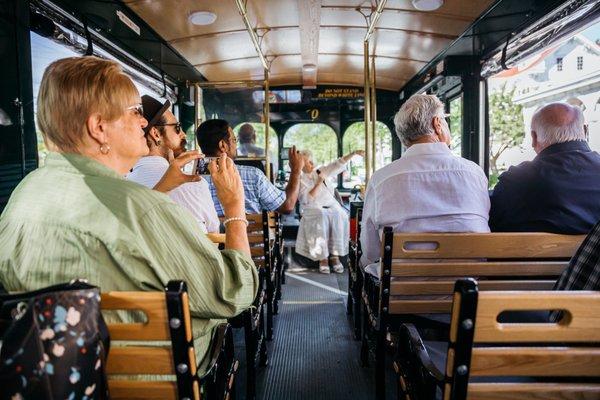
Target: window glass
(320, 139)
(456, 125)
(559, 73)
(354, 139)
(259, 129)
(45, 51)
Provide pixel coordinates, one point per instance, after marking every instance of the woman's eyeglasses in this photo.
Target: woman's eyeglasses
(176, 125)
(138, 109)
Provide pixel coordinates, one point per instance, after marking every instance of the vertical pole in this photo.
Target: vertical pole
(368, 137)
(373, 114)
(473, 112)
(198, 99)
(267, 125)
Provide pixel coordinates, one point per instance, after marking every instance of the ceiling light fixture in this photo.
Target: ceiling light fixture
(427, 5)
(202, 18)
(309, 67)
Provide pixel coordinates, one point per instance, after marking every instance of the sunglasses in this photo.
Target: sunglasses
(177, 126)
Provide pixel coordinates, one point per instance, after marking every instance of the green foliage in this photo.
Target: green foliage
(456, 125)
(506, 127)
(320, 139)
(354, 139)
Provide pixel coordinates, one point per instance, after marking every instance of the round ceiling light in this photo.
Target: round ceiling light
(427, 5)
(202, 18)
(309, 67)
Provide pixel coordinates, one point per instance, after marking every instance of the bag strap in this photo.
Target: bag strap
(76, 284)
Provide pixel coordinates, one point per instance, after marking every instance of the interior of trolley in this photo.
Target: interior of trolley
(323, 75)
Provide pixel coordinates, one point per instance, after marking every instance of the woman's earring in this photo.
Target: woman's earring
(158, 142)
(104, 148)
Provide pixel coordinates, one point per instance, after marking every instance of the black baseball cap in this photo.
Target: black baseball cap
(153, 110)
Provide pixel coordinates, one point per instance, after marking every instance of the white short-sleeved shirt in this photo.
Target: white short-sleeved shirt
(193, 196)
(428, 189)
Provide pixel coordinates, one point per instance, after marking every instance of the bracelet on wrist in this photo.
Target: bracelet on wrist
(228, 220)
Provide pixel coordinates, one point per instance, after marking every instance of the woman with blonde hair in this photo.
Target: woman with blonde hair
(324, 227)
(77, 217)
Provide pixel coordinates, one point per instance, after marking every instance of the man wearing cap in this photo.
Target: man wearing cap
(166, 140)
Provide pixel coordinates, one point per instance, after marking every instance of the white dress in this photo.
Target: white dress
(324, 227)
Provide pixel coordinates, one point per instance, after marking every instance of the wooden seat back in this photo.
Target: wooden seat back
(554, 360)
(419, 270)
(167, 320)
(258, 237)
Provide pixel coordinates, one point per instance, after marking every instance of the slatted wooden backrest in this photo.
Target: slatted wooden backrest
(258, 227)
(563, 352)
(144, 358)
(501, 261)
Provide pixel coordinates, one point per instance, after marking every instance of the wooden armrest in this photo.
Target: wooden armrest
(216, 237)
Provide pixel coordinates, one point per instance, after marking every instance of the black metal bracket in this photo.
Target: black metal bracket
(467, 291)
(89, 51)
(177, 327)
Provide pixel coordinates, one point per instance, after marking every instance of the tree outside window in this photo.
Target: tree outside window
(456, 125)
(506, 128)
(320, 139)
(354, 139)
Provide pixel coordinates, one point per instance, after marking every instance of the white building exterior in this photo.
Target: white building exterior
(567, 72)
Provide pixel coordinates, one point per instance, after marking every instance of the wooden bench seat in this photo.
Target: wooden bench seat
(491, 360)
(163, 345)
(418, 272)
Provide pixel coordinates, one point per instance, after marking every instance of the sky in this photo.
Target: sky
(593, 32)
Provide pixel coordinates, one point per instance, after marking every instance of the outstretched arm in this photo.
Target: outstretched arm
(293, 186)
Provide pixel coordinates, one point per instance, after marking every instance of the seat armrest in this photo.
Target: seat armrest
(419, 351)
(216, 350)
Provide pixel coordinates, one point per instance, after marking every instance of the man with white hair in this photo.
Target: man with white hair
(428, 189)
(559, 191)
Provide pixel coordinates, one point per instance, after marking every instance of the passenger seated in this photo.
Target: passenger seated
(76, 217)
(559, 191)
(247, 140)
(216, 138)
(248, 148)
(166, 140)
(324, 227)
(428, 189)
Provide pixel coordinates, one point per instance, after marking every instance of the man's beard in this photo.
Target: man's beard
(181, 148)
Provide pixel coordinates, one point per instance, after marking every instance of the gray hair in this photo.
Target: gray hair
(306, 153)
(558, 123)
(413, 120)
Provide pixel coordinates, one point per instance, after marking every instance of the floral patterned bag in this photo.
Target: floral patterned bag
(54, 344)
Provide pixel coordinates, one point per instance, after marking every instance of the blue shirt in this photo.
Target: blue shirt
(558, 192)
(261, 195)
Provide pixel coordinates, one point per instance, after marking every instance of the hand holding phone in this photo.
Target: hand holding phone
(201, 165)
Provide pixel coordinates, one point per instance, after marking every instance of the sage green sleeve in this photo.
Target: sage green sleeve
(221, 284)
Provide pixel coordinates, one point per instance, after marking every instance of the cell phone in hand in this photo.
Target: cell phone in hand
(201, 165)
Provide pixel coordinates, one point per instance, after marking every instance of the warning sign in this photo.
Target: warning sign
(339, 93)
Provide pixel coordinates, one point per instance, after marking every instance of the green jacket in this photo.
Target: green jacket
(76, 218)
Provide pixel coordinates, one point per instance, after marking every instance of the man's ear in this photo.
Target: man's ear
(534, 139)
(96, 128)
(223, 146)
(154, 135)
(437, 128)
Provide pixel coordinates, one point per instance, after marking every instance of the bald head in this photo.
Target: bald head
(557, 123)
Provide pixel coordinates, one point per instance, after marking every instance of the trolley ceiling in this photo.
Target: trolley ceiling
(404, 40)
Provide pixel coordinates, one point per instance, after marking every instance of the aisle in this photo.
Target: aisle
(313, 355)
